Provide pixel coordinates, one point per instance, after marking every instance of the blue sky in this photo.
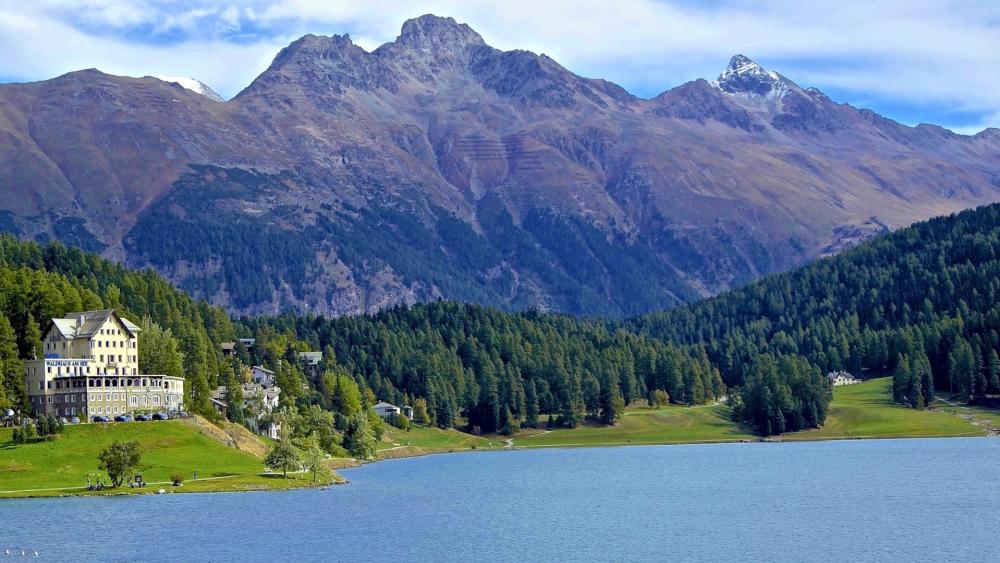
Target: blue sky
(914, 61)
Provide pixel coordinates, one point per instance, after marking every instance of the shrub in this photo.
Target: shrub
(400, 421)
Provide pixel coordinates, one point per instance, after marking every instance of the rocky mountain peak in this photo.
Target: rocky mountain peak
(743, 76)
(435, 33)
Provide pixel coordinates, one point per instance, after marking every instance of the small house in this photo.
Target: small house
(385, 410)
(838, 378)
(262, 376)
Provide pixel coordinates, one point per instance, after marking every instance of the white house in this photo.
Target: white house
(838, 378)
(385, 410)
(268, 397)
(262, 376)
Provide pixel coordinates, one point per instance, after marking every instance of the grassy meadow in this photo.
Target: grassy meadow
(419, 440)
(857, 411)
(61, 466)
(866, 410)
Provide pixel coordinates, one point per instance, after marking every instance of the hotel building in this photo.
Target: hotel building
(91, 368)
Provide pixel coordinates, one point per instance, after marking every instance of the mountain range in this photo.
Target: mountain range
(344, 181)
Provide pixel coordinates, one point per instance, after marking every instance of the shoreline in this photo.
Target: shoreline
(516, 447)
(352, 463)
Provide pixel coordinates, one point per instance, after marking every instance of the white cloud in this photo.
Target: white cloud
(942, 55)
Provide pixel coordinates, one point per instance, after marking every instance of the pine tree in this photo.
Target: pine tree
(901, 379)
(993, 372)
(14, 392)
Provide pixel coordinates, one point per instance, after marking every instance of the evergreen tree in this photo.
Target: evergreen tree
(14, 392)
(359, 438)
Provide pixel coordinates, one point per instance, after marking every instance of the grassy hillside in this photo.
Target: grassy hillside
(866, 410)
(421, 440)
(62, 466)
(671, 424)
(857, 411)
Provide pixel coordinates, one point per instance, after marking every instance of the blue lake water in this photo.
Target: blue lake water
(853, 501)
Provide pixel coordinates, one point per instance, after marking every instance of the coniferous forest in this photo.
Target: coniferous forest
(919, 304)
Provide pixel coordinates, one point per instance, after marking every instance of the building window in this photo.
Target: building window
(134, 400)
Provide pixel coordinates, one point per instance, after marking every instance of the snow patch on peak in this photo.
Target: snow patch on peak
(192, 84)
(743, 76)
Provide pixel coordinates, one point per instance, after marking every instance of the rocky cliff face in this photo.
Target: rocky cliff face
(343, 181)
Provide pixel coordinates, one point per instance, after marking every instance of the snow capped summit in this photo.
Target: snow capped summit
(743, 76)
(193, 85)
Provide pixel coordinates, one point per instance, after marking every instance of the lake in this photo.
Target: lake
(932, 499)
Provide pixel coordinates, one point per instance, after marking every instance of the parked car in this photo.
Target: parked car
(100, 419)
(74, 420)
(160, 416)
(123, 418)
(142, 417)
(182, 414)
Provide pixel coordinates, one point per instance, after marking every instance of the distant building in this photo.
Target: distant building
(255, 397)
(91, 368)
(247, 343)
(838, 378)
(228, 348)
(310, 362)
(262, 376)
(385, 410)
(408, 412)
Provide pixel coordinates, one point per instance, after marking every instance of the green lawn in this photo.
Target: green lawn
(673, 424)
(857, 411)
(422, 439)
(169, 447)
(866, 410)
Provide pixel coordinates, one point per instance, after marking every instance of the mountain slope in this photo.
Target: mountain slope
(344, 181)
(925, 298)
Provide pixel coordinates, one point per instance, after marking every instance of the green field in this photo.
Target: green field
(61, 466)
(857, 411)
(425, 440)
(673, 424)
(866, 410)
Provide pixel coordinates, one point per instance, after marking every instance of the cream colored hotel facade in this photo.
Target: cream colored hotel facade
(91, 368)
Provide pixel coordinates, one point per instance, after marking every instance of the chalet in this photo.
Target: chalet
(228, 348)
(408, 412)
(838, 378)
(262, 376)
(91, 368)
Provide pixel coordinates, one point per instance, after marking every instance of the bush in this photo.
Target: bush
(400, 421)
(176, 479)
(24, 433)
(49, 426)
